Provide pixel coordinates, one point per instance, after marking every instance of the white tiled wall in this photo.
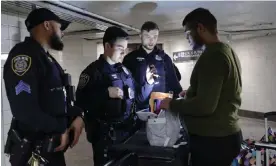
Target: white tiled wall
(12, 31)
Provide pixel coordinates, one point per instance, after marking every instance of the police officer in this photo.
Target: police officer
(106, 90)
(149, 58)
(34, 84)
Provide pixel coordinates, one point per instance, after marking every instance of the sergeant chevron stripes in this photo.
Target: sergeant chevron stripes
(22, 86)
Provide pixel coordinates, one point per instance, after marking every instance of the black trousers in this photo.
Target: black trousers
(214, 151)
(54, 159)
(98, 154)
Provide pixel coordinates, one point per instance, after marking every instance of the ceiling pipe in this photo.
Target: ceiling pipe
(249, 31)
(89, 14)
(83, 32)
(228, 34)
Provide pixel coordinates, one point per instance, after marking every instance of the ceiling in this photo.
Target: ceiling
(168, 15)
(233, 17)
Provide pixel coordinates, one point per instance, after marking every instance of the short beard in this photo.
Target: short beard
(56, 43)
(197, 46)
(198, 43)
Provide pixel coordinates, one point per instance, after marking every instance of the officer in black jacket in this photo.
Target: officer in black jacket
(149, 56)
(35, 89)
(106, 90)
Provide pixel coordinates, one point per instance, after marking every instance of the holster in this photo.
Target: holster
(19, 149)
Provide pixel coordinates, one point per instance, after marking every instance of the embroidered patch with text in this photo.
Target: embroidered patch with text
(84, 79)
(21, 64)
(140, 59)
(130, 93)
(22, 87)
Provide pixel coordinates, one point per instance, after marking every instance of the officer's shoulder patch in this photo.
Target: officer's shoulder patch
(84, 79)
(21, 64)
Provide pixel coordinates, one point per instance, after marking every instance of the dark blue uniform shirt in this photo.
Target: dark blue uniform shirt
(138, 61)
(92, 93)
(34, 87)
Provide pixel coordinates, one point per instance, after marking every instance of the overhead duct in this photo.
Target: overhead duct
(66, 12)
(255, 32)
(91, 15)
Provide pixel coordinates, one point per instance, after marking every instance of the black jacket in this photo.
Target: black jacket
(138, 61)
(34, 86)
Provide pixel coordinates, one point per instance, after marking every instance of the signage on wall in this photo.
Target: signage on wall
(184, 56)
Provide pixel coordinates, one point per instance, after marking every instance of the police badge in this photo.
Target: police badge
(84, 79)
(21, 64)
(157, 57)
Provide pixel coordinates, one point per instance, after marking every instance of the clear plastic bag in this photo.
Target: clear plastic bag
(163, 130)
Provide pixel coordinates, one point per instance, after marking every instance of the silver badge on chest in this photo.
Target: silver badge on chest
(158, 58)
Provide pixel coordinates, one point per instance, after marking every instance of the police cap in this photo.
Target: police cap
(40, 15)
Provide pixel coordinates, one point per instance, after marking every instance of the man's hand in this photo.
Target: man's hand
(64, 140)
(115, 92)
(183, 93)
(77, 127)
(165, 104)
(150, 74)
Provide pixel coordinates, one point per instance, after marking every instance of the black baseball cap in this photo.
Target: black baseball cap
(40, 15)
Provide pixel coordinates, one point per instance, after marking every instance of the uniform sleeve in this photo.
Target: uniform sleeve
(143, 92)
(171, 78)
(23, 87)
(91, 94)
(211, 75)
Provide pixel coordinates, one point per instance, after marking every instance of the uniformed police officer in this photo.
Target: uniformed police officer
(149, 57)
(34, 85)
(106, 90)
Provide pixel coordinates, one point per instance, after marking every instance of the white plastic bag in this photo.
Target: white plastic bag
(162, 129)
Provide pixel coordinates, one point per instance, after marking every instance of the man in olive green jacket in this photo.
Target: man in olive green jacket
(210, 108)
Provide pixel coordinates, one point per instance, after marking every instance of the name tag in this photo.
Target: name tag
(114, 76)
(140, 59)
